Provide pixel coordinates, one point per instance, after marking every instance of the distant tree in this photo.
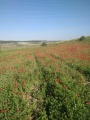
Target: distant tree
(44, 44)
(82, 38)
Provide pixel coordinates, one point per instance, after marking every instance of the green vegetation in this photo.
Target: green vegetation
(82, 38)
(44, 44)
(46, 83)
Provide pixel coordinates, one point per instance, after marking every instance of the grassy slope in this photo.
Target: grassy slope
(45, 83)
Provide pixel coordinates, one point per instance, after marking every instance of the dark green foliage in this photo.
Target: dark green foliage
(44, 44)
(82, 38)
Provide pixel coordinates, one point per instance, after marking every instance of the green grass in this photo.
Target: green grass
(46, 83)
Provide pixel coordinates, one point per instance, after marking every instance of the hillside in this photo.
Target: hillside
(46, 82)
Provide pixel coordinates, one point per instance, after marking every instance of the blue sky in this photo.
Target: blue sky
(44, 19)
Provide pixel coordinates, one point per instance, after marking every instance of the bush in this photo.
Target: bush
(44, 44)
(82, 38)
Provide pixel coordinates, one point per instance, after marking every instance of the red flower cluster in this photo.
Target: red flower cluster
(88, 103)
(2, 111)
(15, 84)
(21, 70)
(58, 81)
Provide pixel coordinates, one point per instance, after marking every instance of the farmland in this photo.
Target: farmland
(46, 82)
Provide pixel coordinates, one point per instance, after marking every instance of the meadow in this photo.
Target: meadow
(46, 82)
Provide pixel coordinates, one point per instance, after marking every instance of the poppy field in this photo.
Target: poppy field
(46, 82)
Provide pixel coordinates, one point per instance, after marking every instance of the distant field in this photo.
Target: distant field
(46, 82)
(8, 45)
(17, 45)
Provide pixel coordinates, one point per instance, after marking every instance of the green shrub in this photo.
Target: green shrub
(82, 38)
(44, 44)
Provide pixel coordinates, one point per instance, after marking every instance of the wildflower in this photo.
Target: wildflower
(22, 70)
(58, 81)
(15, 85)
(4, 86)
(20, 93)
(6, 102)
(78, 95)
(27, 96)
(65, 87)
(88, 103)
(18, 109)
(2, 111)
(22, 81)
(16, 93)
(8, 109)
(26, 93)
(12, 116)
(23, 84)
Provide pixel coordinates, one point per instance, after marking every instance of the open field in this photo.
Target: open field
(8, 45)
(46, 82)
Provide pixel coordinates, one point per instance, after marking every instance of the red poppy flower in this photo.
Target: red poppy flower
(88, 103)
